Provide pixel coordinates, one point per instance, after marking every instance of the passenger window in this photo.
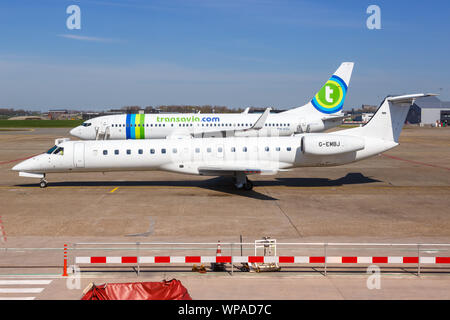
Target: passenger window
(233, 149)
(116, 151)
(278, 149)
(163, 150)
(174, 150)
(208, 150)
(197, 150)
(219, 149)
(152, 151)
(140, 151)
(244, 149)
(267, 149)
(288, 148)
(105, 152)
(128, 151)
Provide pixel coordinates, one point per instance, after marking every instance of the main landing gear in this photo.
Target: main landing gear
(43, 183)
(242, 182)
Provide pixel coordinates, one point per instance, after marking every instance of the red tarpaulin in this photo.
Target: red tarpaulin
(164, 290)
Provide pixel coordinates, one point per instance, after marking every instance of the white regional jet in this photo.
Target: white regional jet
(321, 113)
(233, 156)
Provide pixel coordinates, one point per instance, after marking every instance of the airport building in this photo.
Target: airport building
(429, 110)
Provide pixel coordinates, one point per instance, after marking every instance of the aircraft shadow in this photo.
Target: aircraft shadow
(349, 179)
(224, 184)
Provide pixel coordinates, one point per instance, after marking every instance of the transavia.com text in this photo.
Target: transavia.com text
(227, 309)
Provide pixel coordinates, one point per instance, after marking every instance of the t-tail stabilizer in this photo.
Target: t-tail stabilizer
(388, 120)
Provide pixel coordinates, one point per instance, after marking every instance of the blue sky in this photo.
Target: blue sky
(237, 53)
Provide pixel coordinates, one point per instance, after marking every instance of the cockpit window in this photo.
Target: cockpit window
(86, 124)
(50, 151)
(56, 150)
(59, 151)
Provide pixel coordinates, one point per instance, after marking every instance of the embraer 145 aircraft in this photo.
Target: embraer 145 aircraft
(321, 113)
(234, 156)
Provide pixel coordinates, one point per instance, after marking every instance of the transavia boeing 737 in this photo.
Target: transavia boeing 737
(321, 113)
(233, 156)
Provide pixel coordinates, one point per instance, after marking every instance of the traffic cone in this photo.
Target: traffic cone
(219, 250)
(218, 266)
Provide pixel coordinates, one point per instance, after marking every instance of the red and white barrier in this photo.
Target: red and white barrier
(262, 259)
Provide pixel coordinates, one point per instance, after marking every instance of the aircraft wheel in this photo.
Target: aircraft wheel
(248, 185)
(43, 184)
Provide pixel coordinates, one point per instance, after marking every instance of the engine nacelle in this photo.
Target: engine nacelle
(316, 126)
(329, 144)
(312, 126)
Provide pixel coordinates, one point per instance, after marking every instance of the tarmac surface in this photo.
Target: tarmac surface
(401, 196)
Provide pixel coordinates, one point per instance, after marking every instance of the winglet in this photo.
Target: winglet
(246, 110)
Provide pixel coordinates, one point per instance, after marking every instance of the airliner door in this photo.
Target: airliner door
(78, 155)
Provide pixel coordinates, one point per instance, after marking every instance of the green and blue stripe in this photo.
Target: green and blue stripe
(135, 126)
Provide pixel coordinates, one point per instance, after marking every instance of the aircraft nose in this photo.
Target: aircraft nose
(23, 166)
(76, 132)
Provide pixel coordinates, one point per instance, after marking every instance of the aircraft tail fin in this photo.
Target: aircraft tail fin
(387, 122)
(330, 98)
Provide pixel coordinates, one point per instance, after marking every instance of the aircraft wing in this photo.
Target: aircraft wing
(259, 124)
(232, 170)
(333, 118)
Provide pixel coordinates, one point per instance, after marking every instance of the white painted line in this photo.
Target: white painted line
(18, 298)
(21, 290)
(24, 282)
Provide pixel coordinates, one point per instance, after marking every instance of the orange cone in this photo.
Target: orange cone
(219, 250)
(218, 266)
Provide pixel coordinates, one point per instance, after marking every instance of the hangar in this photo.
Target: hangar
(428, 110)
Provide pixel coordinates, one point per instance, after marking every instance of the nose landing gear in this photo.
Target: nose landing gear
(43, 183)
